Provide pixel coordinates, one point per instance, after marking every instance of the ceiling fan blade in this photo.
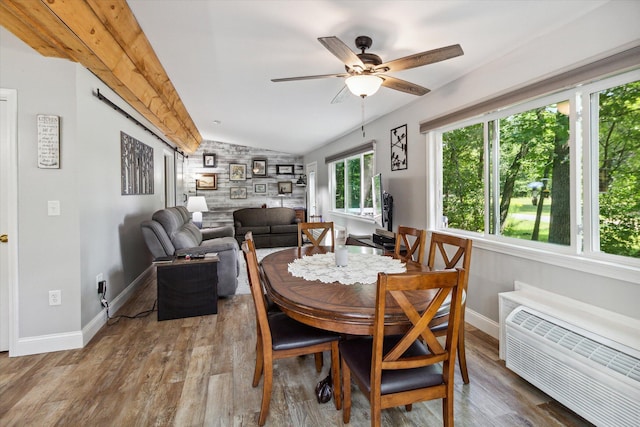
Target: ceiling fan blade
(422, 58)
(340, 96)
(403, 86)
(320, 76)
(342, 52)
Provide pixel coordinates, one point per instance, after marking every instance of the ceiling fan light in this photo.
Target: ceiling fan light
(363, 84)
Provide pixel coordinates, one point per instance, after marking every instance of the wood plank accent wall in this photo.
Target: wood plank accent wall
(221, 206)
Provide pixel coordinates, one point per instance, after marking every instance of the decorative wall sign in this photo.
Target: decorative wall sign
(48, 141)
(237, 172)
(259, 167)
(207, 181)
(209, 160)
(399, 148)
(238, 192)
(284, 169)
(136, 162)
(260, 188)
(285, 187)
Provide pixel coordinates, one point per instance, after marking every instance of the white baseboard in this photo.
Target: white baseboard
(76, 339)
(47, 343)
(92, 328)
(483, 323)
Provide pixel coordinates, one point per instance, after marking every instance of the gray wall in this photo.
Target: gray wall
(98, 229)
(597, 34)
(220, 205)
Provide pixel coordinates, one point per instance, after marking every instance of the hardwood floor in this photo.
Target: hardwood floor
(198, 371)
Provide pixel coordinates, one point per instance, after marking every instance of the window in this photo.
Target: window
(351, 184)
(615, 116)
(531, 173)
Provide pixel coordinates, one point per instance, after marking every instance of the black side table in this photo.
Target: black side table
(187, 287)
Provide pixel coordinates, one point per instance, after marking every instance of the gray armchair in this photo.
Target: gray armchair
(171, 232)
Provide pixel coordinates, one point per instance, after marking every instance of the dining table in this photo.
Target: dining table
(331, 305)
(323, 302)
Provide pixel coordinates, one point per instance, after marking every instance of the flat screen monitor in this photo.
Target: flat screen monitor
(377, 199)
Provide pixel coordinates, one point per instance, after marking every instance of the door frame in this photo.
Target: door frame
(10, 210)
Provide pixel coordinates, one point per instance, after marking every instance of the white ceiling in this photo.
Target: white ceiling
(220, 56)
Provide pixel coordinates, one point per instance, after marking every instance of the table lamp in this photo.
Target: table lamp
(197, 205)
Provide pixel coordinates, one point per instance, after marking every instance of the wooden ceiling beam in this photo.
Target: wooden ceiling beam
(117, 17)
(105, 37)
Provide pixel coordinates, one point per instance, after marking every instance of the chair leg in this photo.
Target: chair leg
(335, 374)
(408, 407)
(266, 394)
(346, 393)
(257, 373)
(462, 358)
(376, 410)
(319, 362)
(447, 411)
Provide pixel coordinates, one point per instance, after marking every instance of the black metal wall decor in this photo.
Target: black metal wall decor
(136, 166)
(399, 148)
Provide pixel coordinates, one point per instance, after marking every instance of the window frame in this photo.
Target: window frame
(333, 185)
(584, 245)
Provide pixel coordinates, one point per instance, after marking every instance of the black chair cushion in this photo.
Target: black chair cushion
(287, 333)
(357, 353)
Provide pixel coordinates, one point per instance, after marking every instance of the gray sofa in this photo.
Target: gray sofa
(171, 232)
(271, 227)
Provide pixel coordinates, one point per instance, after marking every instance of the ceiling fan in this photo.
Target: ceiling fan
(365, 72)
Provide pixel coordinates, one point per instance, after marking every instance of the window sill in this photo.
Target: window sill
(605, 268)
(362, 218)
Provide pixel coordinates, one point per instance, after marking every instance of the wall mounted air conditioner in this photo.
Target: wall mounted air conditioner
(592, 375)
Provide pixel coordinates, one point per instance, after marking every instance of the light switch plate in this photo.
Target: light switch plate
(53, 207)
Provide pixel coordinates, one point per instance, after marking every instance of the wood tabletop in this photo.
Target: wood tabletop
(341, 308)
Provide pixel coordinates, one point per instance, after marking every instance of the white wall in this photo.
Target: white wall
(98, 229)
(604, 31)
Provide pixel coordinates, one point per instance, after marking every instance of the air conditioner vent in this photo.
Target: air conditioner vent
(606, 356)
(591, 374)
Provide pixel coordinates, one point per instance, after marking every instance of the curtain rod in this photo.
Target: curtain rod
(102, 98)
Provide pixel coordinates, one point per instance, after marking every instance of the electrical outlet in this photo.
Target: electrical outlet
(99, 278)
(55, 297)
(102, 287)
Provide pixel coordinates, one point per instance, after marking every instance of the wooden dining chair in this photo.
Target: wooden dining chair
(447, 251)
(280, 337)
(398, 370)
(306, 229)
(414, 241)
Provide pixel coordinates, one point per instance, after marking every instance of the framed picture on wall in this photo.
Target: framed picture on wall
(399, 148)
(237, 172)
(259, 167)
(209, 160)
(284, 169)
(207, 181)
(238, 192)
(285, 187)
(260, 188)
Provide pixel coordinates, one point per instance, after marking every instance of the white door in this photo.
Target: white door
(312, 189)
(8, 214)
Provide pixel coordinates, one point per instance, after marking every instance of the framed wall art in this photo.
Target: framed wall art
(48, 141)
(238, 192)
(209, 160)
(285, 187)
(136, 164)
(237, 172)
(399, 148)
(260, 188)
(259, 167)
(284, 169)
(207, 181)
